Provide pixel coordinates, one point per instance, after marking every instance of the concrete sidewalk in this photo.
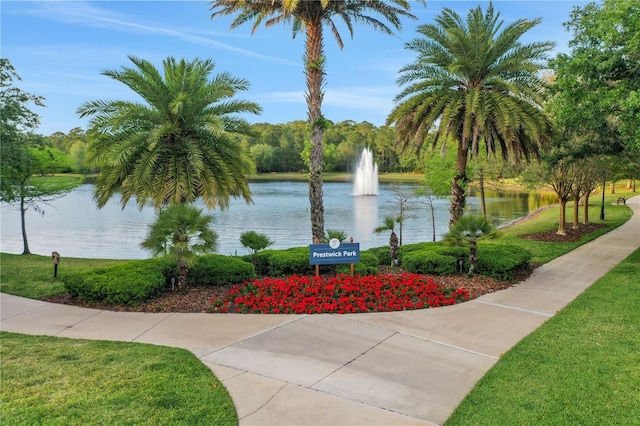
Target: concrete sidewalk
(396, 368)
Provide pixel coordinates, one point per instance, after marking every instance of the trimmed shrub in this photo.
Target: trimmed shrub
(432, 258)
(279, 263)
(501, 261)
(382, 253)
(129, 283)
(368, 265)
(217, 269)
(429, 262)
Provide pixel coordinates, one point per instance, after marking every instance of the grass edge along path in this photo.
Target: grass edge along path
(61, 381)
(578, 368)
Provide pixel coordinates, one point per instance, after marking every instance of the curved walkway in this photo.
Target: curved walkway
(396, 368)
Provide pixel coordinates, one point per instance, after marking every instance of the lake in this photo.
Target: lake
(74, 227)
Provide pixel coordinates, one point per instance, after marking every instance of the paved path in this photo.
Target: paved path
(397, 368)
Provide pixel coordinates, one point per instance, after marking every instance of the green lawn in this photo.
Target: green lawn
(59, 381)
(580, 368)
(32, 275)
(543, 252)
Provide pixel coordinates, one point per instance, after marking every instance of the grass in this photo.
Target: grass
(59, 381)
(547, 220)
(32, 275)
(579, 368)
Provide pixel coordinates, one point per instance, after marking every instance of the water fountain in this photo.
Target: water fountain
(366, 178)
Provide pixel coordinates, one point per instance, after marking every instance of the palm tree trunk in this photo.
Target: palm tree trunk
(314, 70)
(482, 197)
(183, 271)
(458, 197)
(473, 257)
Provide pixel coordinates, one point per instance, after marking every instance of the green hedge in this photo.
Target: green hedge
(129, 283)
(502, 262)
(499, 261)
(280, 263)
(368, 265)
(217, 269)
(382, 253)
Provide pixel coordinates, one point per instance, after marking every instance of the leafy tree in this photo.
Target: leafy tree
(477, 83)
(20, 150)
(597, 85)
(467, 231)
(390, 225)
(310, 17)
(178, 145)
(264, 157)
(181, 232)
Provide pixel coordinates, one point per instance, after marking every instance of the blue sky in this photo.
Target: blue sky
(60, 48)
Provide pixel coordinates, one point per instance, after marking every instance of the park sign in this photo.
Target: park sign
(334, 253)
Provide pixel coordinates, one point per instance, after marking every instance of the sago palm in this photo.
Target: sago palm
(176, 145)
(181, 232)
(309, 17)
(473, 82)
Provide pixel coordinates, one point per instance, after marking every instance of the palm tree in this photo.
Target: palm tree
(389, 225)
(181, 232)
(179, 144)
(475, 84)
(255, 242)
(310, 17)
(467, 231)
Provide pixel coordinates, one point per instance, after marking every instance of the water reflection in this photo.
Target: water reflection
(74, 227)
(365, 216)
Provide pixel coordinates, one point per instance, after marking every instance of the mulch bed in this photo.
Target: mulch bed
(197, 299)
(573, 235)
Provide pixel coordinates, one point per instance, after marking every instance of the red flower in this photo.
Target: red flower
(340, 294)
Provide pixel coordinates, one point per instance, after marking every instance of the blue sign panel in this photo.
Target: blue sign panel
(324, 254)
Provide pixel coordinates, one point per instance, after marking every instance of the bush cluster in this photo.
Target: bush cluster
(217, 269)
(432, 258)
(502, 262)
(129, 283)
(280, 263)
(499, 261)
(137, 281)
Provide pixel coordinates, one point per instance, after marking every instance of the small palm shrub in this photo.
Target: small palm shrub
(130, 283)
(467, 232)
(254, 241)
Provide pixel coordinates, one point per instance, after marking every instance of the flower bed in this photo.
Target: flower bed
(340, 294)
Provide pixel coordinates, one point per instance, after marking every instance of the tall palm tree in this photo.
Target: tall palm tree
(176, 146)
(475, 83)
(181, 232)
(310, 17)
